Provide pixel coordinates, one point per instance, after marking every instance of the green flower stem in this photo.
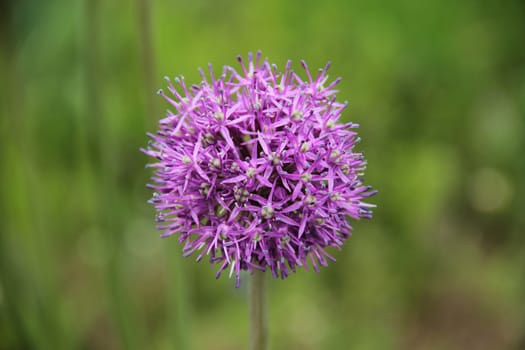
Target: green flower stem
(258, 318)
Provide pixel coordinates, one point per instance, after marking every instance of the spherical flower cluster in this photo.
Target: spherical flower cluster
(254, 170)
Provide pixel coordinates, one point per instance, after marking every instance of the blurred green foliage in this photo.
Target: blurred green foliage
(438, 88)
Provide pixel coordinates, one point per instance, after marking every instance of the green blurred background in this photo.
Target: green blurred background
(438, 87)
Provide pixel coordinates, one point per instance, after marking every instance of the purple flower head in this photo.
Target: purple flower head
(255, 171)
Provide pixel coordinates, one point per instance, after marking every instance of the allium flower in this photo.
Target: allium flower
(254, 169)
